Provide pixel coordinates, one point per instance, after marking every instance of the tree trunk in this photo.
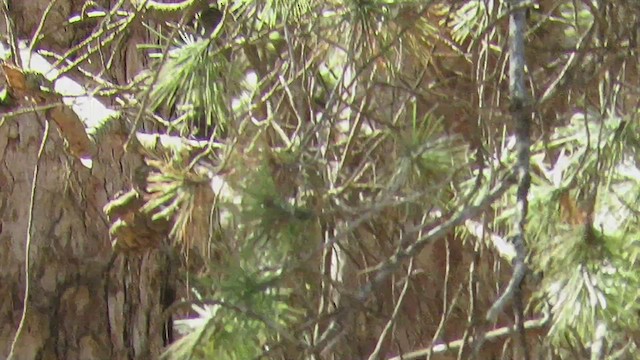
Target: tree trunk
(77, 307)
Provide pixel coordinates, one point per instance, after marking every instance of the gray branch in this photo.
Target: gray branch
(520, 107)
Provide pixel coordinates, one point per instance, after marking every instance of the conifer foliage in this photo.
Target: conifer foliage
(351, 179)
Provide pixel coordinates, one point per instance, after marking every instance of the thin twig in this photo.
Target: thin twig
(446, 307)
(27, 249)
(453, 345)
(27, 110)
(376, 352)
(36, 34)
(13, 40)
(118, 26)
(574, 60)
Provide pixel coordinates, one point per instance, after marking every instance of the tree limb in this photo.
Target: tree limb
(521, 114)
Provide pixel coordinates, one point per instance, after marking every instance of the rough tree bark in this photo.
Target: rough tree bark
(71, 313)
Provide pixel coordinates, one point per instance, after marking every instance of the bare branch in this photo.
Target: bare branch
(454, 345)
(521, 116)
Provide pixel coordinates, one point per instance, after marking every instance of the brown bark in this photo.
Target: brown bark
(71, 314)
